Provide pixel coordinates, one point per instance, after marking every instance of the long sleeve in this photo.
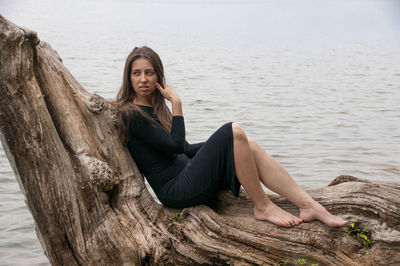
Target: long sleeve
(154, 135)
(191, 149)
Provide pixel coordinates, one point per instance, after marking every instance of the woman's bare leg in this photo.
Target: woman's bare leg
(246, 171)
(276, 178)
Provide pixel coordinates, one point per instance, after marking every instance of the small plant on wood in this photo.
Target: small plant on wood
(363, 235)
(176, 217)
(301, 261)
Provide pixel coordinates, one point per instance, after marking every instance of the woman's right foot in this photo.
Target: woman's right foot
(316, 211)
(275, 215)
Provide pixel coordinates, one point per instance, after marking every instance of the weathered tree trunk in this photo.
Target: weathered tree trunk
(91, 206)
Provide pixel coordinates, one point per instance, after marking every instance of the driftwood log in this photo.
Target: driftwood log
(91, 205)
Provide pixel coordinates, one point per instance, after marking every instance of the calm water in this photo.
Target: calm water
(317, 83)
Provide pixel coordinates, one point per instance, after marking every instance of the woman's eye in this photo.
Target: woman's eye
(135, 73)
(149, 73)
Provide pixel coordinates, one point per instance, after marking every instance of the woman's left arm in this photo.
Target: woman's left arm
(171, 95)
(191, 149)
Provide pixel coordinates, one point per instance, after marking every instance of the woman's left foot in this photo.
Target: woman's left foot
(272, 213)
(317, 212)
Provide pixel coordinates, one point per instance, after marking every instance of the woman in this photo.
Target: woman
(183, 174)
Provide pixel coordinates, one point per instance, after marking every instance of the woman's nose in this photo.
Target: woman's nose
(143, 77)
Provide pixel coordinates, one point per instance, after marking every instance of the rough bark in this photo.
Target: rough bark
(91, 205)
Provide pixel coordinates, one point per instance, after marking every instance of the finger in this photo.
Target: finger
(159, 86)
(160, 89)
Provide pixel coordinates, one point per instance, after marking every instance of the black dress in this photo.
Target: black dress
(181, 174)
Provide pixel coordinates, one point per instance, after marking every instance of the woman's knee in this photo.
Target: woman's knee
(253, 145)
(238, 133)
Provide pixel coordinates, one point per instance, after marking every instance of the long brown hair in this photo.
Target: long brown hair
(126, 94)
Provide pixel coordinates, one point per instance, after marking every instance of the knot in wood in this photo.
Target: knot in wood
(96, 104)
(165, 242)
(113, 114)
(102, 175)
(31, 35)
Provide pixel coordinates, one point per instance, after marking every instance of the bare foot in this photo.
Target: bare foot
(276, 215)
(317, 212)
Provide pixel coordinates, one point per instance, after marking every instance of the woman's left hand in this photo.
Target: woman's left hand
(171, 95)
(168, 92)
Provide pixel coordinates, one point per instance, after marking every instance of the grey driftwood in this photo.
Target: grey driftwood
(91, 206)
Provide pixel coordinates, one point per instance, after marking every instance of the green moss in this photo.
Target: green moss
(363, 235)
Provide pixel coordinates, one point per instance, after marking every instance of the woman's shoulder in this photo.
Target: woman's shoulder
(138, 115)
(129, 115)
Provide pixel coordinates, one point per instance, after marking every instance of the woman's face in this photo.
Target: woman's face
(143, 79)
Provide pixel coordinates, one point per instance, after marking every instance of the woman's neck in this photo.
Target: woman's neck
(145, 102)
